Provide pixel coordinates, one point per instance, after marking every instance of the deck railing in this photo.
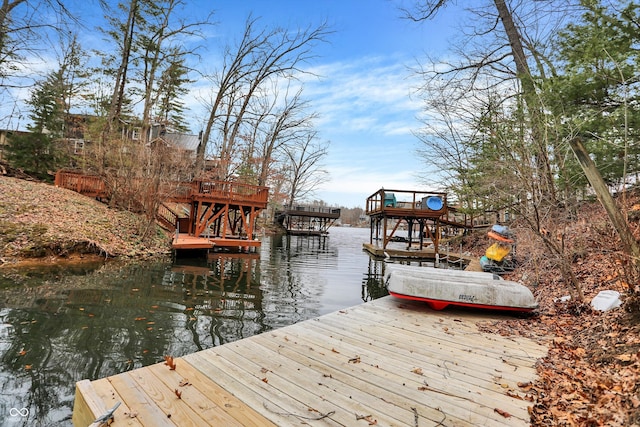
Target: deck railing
(93, 185)
(167, 217)
(416, 202)
(232, 191)
(318, 209)
(89, 185)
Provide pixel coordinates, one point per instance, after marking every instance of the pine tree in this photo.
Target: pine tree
(36, 152)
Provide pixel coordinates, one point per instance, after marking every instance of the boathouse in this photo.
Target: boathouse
(307, 220)
(416, 219)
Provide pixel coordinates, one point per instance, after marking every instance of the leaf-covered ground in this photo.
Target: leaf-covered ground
(590, 377)
(38, 220)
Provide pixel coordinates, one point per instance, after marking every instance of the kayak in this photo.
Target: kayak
(440, 288)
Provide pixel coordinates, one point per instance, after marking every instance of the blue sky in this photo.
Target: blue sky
(364, 97)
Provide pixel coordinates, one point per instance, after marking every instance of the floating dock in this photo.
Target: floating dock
(385, 362)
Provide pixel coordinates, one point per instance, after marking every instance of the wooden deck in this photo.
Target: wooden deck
(224, 208)
(185, 241)
(388, 361)
(307, 220)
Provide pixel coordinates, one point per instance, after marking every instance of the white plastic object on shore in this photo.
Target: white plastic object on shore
(606, 300)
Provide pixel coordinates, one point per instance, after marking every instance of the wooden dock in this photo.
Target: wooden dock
(184, 241)
(386, 363)
(307, 220)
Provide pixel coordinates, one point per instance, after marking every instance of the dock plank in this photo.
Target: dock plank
(110, 396)
(165, 395)
(219, 397)
(398, 363)
(142, 405)
(342, 382)
(314, 385)
(386, 372)
(250, 389)
(440, 345)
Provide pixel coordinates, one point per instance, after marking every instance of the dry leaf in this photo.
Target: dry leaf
(503, 413)
(168, 360)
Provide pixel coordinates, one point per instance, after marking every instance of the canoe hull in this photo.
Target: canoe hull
(440, 290)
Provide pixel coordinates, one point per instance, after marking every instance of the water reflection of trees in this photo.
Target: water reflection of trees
(373, 286)
(294, 276)
(99, 321)
(115, 319)
(222, 298)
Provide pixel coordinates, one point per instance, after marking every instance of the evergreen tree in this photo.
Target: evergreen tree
(596, 92)
(171, 88)
(36, 152)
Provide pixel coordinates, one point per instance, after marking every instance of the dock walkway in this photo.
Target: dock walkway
(388, 362)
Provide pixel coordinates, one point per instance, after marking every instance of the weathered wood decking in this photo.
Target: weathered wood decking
(394, 362)
(220, 209)
(185, 241)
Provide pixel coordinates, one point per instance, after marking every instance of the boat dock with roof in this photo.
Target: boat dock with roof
(307, 220)
(412, 224)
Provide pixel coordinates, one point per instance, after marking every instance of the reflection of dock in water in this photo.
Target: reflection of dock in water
(223, 272)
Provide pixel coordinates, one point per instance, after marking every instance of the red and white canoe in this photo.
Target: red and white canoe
(441, 288)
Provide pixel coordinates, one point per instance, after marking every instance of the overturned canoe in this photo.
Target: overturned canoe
(440, 288)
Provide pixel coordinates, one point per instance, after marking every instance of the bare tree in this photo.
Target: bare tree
(159, 51)
(541, 198)
(123, 34)
(288, 122)
(304, 166)
(260, 58)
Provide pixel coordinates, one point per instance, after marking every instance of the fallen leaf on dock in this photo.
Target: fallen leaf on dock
(417, 371)
(168, 360)
(355, 359)
(503, 413)
(367, 418)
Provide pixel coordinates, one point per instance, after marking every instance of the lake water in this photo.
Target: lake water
(67, 323)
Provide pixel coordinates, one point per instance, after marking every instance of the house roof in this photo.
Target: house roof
(182, 140)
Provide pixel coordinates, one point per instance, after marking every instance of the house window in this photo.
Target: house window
(78, 147)
(135, 134)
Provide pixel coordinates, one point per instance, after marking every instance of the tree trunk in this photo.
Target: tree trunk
(115, 109)
(629, 243)
(530, 96)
